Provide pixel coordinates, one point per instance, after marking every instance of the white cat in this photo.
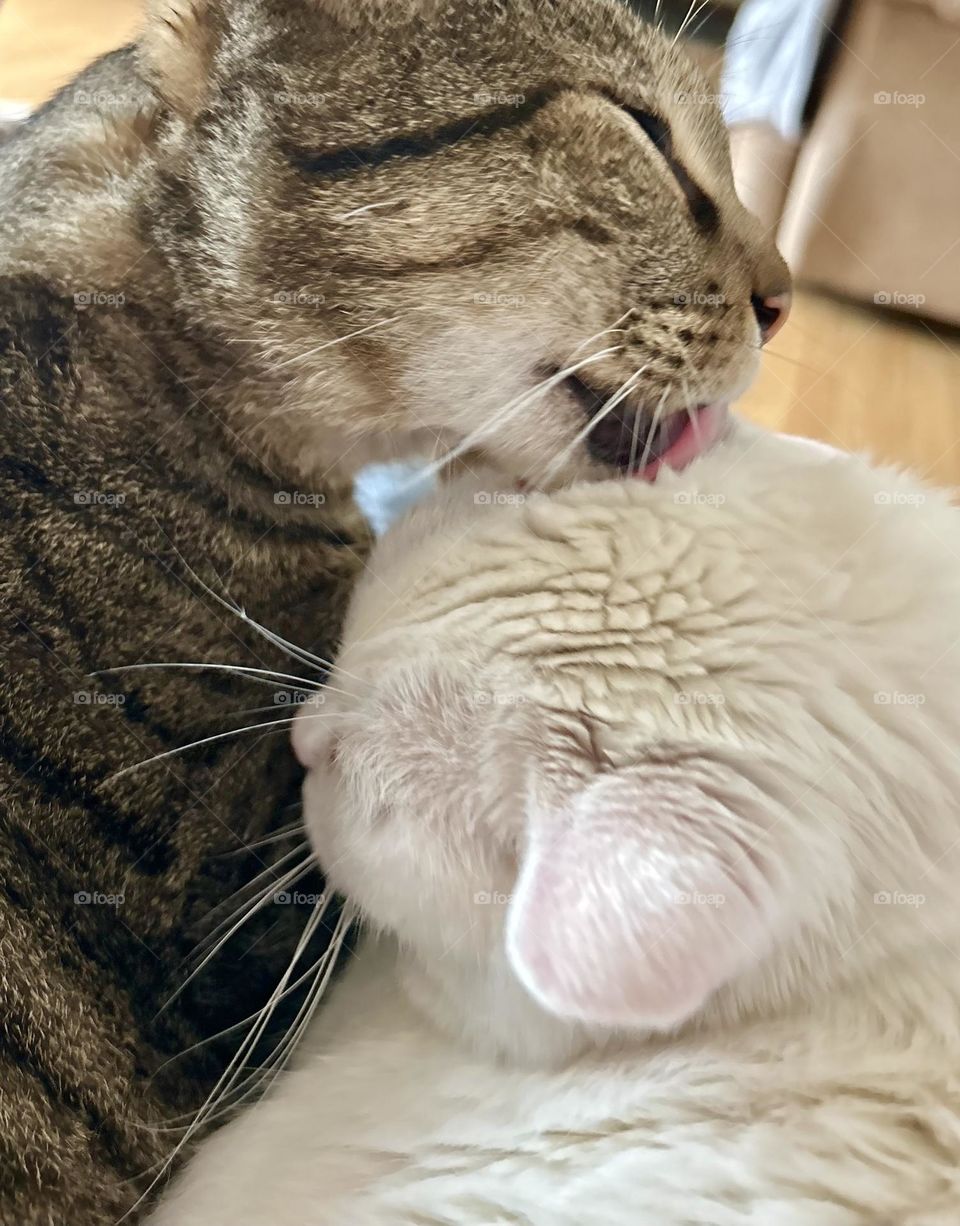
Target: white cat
(650, 794)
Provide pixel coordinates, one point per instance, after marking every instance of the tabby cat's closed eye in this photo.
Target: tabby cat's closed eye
(705, 212)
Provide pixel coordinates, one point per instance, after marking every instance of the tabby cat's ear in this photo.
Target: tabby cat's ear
(177, 47)
(641, 895)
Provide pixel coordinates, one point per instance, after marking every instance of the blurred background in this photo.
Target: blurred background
(845, 128)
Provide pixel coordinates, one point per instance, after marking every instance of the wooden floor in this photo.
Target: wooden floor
(853, 376)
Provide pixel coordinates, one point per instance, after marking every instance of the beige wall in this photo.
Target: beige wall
(43, 43)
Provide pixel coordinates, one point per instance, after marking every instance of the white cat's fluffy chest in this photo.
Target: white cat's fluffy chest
(385, 1123)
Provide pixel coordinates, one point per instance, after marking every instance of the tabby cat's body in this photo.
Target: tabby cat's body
(100, 500)
(475, 199)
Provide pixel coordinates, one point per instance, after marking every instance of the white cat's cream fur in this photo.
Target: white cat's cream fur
(650, 796)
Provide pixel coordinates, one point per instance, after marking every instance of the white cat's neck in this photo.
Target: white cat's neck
(488, 1011)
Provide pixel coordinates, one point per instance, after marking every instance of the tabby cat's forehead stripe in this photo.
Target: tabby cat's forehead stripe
(425, 143)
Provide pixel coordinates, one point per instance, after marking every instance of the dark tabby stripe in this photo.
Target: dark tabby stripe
(425, 143)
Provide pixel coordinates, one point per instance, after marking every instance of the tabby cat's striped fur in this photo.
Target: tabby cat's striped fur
(469, 195)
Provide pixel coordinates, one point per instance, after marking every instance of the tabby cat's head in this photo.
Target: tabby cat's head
(483, 196)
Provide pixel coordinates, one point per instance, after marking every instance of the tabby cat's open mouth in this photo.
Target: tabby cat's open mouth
(642, 441)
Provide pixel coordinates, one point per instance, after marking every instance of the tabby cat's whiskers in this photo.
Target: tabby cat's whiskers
(300, 654)
(337, 340)
(609, 405)
(508, 410)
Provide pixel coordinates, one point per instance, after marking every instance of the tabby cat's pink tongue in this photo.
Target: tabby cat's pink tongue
(701, 430)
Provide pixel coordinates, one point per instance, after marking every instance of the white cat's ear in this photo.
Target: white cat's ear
(642, 894)
(176, 49)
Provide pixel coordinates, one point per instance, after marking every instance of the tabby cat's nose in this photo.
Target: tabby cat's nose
(771, 312)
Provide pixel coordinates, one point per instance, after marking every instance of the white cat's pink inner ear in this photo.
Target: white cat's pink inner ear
(636, 903)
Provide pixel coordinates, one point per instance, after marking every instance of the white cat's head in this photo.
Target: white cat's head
(629, 755)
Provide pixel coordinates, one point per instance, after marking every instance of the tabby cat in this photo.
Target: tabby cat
(276, 239)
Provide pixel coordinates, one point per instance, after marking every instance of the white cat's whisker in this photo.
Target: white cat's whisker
(206, 740)
(235, 1067)
(215, 1097)
(263, 1078)
(274, 887)
(277, 836)
(259, 892)
(308, 974)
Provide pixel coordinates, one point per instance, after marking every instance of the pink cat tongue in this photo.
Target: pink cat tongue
(704, 426)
